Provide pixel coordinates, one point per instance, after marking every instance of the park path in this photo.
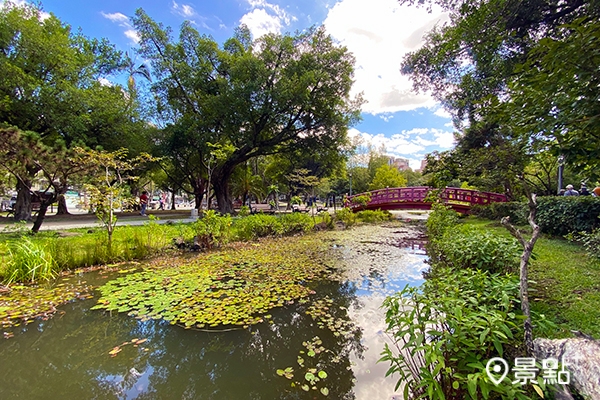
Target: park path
(85, 220)
(74, 221)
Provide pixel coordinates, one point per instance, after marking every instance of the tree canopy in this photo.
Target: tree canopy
(387, 176)
(54, 83)
(519, 78)
(267, 96)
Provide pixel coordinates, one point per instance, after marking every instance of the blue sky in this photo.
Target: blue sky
(377, 32)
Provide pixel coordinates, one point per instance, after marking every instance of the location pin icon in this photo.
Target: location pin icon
(497, 366)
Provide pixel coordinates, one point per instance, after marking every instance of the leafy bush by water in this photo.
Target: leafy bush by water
(256, 226)
(296, 223)
(371, 216)
(447, 330)
(441, 219)
(467, 247)
(212, 229)
(346, 215)
(462, 316)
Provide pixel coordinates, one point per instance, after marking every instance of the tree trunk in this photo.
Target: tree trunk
(62, 205)
(42, 213)
(220, 182)
(199, 196)
(173, 207)
(23, 204)
(199, 187)
(523, 270)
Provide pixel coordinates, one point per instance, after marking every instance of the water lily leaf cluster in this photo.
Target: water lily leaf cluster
(220, 288)
(24, 303)
(313, 375)
(319, 311)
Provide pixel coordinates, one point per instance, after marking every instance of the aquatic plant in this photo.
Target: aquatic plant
(23, 303)
(221, 288)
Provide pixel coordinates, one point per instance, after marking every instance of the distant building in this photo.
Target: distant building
(401, 164)
(423, 165)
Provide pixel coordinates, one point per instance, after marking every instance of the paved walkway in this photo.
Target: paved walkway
(73, 221)
(84, 220)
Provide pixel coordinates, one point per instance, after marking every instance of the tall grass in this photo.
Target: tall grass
(29, 261)
(46, 254)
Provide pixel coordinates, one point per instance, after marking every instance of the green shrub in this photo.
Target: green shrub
(361, 200)
(212, 229)
(256, 226)
(441, 219)
(346, 215)
(517, 211)
(327, 219)
(29, 261)
(468, 247)
(244, 211)
(370, 216)
(445, 332)
(296, 223)
(559, 215)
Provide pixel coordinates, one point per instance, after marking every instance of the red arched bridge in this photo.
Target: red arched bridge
(460, 200)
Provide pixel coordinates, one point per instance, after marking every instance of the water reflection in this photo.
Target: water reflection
(378, 267)
(67, 356)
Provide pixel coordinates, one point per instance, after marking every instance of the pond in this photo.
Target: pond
(85, 354)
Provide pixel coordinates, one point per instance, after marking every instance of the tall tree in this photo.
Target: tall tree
(387, 176)
(262, 97)
(514, 70)
(555, 95)
(23, 152)
(53, 83)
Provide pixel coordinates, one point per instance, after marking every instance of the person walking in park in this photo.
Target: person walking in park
(571, 192)
(143, 203)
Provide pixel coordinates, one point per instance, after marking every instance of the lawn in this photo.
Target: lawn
(564, 283)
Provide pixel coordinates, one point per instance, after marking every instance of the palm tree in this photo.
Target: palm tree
(133, 71)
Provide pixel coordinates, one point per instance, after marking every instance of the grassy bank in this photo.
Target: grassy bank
(565, 282)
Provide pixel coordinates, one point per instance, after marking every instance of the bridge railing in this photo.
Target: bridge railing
(416, 196)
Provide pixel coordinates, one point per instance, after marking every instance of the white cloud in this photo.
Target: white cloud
(184, 10)
(441, 112)
(260, 22)
(411, 144)
(265, 17)
(445, 140)
(132, 35)
(105, 82)
(379, 33)
(116, 17)
(123, 21)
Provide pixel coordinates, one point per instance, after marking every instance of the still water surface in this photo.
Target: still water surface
(67, 357)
